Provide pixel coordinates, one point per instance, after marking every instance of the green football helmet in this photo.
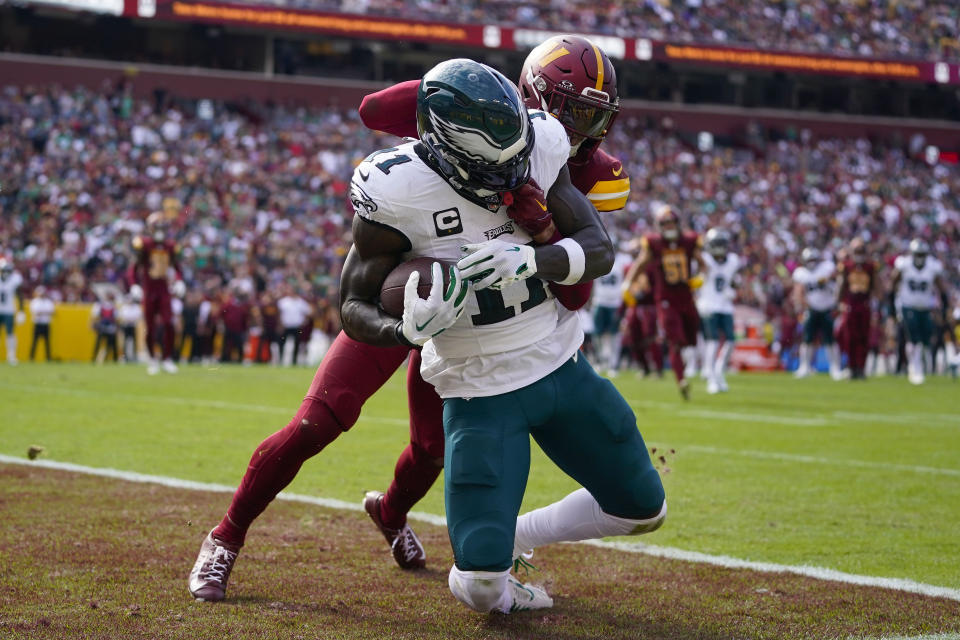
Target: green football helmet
(919, 249)
(717, 243)
(475, 129)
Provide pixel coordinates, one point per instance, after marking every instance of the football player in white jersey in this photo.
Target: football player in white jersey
(606, 302)
(10, 314)
(816, 290)
(496, 345)
(916, 280)
(715, 303)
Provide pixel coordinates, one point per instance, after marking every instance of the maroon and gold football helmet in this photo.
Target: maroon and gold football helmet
(573, 80)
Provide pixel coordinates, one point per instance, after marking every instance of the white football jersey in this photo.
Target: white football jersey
(505, 339)
(716, 294)
(607, 290)
(8, 293)
(916, 285)
(819, 284)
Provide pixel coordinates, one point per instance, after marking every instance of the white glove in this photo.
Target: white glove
(21, 317)
(496, 263)
(423, 319)
(179, 288)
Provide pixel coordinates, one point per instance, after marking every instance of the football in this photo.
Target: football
(391, 293)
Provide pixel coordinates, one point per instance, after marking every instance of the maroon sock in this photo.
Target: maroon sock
(413, 476)
(167, 341)
(656, 354)
(273, 466)
(676, 361)
(151, 342)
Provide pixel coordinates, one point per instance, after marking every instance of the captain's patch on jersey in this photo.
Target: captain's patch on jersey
(447, 222)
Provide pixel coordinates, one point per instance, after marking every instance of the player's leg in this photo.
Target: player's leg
(711, 347)
(622, 494)
(486, 462)
(726, 350)
(672, 325)
(7, 322)
(416, 470)
(349, 374)
(825, 329)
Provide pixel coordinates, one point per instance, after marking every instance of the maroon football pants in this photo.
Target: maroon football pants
(350, 373)
(158, 314)
(680, 322)
(856, 334)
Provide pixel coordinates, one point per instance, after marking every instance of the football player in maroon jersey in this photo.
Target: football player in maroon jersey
(151, 273)
(673, 251)
(857, 287)
(352, 371)
(641, 321)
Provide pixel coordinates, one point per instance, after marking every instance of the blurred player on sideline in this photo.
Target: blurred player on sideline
(150, 279)
(607, 301)
(715, 302)
(674, 252)
(814, 290)
(10, 314)
(916, 285)
(352, 371)
(857, 284)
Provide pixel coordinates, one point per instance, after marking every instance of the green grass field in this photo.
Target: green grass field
(859, 477)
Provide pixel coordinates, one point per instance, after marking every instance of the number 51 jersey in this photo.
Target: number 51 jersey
(505, 339)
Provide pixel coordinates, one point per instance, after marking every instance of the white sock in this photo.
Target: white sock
(710, 364)
(723, 359)
(482, 591)
(916, 356)
(11, 347)
(871, 364)
(614, 359)
(578, 516)
(804, 364)
(833, 355)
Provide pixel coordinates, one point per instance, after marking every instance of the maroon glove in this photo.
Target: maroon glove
(527, 206)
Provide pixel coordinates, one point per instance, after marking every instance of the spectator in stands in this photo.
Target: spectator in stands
(41, 311)
(129, 315)
(235, 317)
(294, 314)
(104, 320)
(269, 328)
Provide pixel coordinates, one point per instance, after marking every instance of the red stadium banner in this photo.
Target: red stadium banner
(343, 24)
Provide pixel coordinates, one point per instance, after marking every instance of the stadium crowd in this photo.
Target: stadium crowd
(916, 29)
(256, 195)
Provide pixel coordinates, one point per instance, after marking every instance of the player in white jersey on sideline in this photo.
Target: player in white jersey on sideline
(715, 303)
(916, 281)
(10, 314)
(606, 302)
(816, 290)
(498, 348)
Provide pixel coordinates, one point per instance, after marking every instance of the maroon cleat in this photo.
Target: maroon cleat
(406, 547)
(208, 579)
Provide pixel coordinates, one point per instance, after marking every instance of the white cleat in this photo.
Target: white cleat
(836, 375)
(152, 367)
(169, 366)
(208, 579)
(914, 376)
(722, 383)
(712, 386)
(526, 597)
(803, 372)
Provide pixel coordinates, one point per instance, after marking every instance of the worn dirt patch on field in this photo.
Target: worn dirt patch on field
(88, 557)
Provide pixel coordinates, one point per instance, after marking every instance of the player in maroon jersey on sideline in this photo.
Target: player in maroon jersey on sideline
(352, 371)
(156, 257)
(858, 282)
(642, 322)
(673, 252)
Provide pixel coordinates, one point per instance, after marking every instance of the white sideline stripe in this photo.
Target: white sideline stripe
(912, 419)
(816, 421)
(671, 553)
(819, 573)
(843, 462)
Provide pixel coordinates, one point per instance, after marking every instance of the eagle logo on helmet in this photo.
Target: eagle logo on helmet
(477, 144)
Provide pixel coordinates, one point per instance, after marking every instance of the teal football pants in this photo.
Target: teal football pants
(579, 420)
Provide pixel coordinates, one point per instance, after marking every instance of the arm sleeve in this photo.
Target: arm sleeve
(392, 110)
(571, 296)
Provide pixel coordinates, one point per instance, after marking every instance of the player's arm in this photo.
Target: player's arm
(375, 252)
(941, 289)
(392, 110)
(892, 293)
(577, 220)
(639, 266)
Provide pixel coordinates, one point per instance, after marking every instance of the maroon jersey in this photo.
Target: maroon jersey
(672, 266)
(154, 260)
(857, 281)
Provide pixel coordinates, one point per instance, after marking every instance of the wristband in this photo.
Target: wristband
(576, 259)
(401, 338)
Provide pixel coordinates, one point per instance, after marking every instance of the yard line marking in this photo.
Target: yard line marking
(818, 573)
(843, 462)
(735, 416)
(912, 419)
(176, 400)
